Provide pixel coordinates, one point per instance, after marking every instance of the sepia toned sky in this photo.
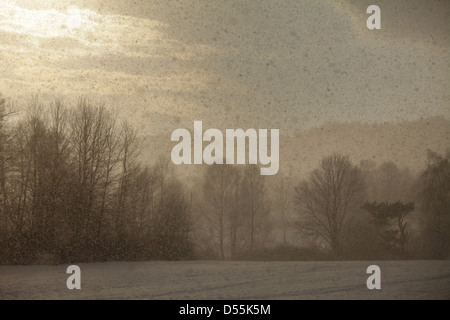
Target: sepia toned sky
(290, 65)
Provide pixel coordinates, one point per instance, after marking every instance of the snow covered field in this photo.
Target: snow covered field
(229, 280)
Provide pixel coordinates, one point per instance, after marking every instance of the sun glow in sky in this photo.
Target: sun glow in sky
(82, 25)
(76, 52)
(46, 23)
(75, 18)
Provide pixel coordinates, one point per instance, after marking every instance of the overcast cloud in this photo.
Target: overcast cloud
(266, 64)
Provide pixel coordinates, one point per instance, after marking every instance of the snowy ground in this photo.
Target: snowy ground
(229, 280)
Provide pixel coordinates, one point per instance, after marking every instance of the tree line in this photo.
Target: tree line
(365, 212)
(73, 187)
(340, 211)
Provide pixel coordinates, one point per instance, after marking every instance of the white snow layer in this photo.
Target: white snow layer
(198, 280)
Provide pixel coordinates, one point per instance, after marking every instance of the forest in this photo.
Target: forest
(75, 188)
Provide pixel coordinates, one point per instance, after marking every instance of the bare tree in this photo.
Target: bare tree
(172, 220)
(435, 200)
(5, 165)
(235, 215)
(282, 200)
(128, 154)
(218, 192)
(327, 196)
(256, 206)
(95, 157)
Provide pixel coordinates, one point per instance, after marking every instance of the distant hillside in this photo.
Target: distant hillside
(404, 143)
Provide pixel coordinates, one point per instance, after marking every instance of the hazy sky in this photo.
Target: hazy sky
(263, 64)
